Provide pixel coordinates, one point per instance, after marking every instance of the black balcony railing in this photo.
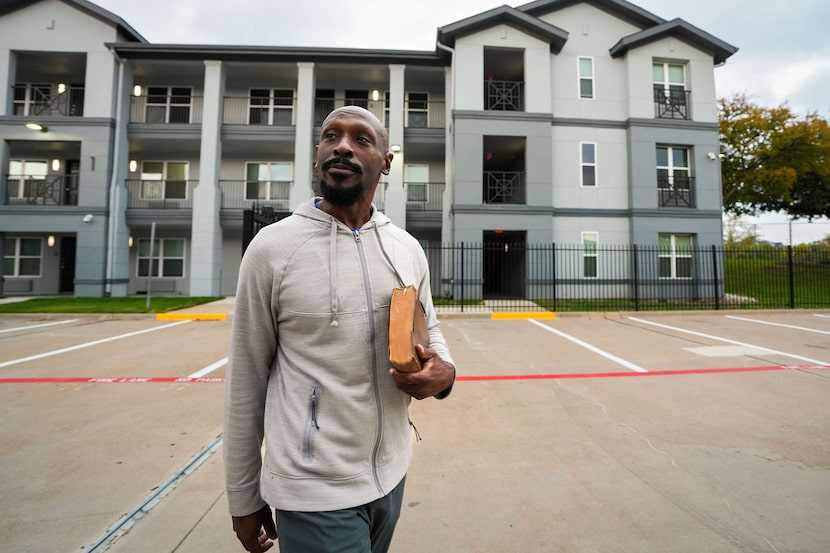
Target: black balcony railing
(50, 190)
(245, 194)
(676, 191)
(424, 197)
(552, 277)
(503, 95)
(160, 194)
(49, 100)
(671, 104)
(504, 187)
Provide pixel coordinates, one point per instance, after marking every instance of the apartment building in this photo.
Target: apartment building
(128, 164)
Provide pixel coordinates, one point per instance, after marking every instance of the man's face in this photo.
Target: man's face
(351, 156)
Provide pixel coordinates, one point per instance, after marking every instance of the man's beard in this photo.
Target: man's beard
(342, 197)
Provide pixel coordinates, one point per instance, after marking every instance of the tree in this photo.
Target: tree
(773, 160)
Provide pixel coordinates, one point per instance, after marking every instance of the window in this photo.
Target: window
(323, 105)
(23, 175)
(168, 104)
(267, 181)
(669, 81)
(675, 253)
(417, 183)
(271, 107)
(164, 180)
(589, 254)
(586, 77)
(588, 162)
(357, 98)
(673, 176)
(417, 110)
(167, 256)
(22, 257)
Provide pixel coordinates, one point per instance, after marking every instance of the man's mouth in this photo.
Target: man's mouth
(342, 164)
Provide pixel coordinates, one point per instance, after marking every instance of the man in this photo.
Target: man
(308, 370)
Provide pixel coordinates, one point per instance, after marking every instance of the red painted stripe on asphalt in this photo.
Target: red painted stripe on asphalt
(471, 378)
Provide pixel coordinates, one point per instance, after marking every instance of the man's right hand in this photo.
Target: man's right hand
(256, 531)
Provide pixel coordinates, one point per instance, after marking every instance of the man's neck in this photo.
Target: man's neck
(353, 216)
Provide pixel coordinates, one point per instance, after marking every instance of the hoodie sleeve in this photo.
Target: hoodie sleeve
(436, 337)
(252, 352)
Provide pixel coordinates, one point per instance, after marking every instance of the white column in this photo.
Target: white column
(206, 233)
(304, 173)
(447, 233)
(395, 204)
(7, 80)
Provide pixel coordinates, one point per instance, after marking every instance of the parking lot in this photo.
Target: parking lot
(648, 432)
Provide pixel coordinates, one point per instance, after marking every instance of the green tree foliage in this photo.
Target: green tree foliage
(773, 160)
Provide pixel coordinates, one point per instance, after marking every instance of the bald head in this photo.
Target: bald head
(366, 115)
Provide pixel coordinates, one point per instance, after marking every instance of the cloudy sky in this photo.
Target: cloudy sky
(783, 57)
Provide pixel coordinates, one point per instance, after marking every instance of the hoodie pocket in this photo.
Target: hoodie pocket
(312, 423)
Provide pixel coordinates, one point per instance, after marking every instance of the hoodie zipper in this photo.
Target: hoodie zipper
(312, 423)
(375, 380)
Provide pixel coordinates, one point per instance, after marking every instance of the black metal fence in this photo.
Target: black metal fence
(521, 277)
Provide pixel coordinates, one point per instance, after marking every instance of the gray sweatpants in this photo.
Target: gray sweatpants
(364, 529)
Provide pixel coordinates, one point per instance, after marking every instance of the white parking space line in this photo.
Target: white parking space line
(89, 344)
(210, 368)
(804, 328)
(728, 341)
(822, 316)
(588, 346)
(38, 326)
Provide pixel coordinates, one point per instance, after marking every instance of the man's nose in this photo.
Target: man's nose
(344, 148)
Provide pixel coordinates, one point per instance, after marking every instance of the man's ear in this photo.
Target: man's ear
(387, 166)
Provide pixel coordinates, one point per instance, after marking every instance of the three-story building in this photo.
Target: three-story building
(127, 164)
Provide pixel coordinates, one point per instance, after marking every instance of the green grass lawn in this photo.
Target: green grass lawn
(104, 305)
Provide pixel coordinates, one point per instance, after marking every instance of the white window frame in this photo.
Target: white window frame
(580, 77)
(159, 258)
(411, 111)
(17, 256)
(670, 168)
(267, 182)
(590, 250)
(665, 81)
(416, 168)
(155, 188)
(583, 164)
(17, 168)
(168, 103)
(674, 253)
(273, 104)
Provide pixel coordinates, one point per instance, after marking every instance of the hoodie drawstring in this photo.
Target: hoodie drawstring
(386, 256)
(333, 272)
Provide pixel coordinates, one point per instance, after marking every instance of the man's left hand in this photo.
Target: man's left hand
(435, 376)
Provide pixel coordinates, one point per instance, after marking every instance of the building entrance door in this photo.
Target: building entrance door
(67, 264)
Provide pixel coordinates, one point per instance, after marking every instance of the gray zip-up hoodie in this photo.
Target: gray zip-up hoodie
(309, 348)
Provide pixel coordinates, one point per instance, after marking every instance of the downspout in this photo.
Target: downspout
(449, 165)
(114, 192)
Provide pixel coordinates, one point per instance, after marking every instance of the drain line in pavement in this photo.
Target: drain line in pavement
(127, 521)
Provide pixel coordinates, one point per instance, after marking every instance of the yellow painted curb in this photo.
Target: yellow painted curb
(516, 315)
(191, 316)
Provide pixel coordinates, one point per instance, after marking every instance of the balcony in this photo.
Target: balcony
(160, 194)
(503, 95)
(671, 104)
(504, 187)
(675, 191)
(277, 112)
(50, 190)
(166, 109)
(245, 194)
(42, 100)
(419, 114)
(424, 197)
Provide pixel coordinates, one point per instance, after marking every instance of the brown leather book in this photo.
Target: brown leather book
(407, 327)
